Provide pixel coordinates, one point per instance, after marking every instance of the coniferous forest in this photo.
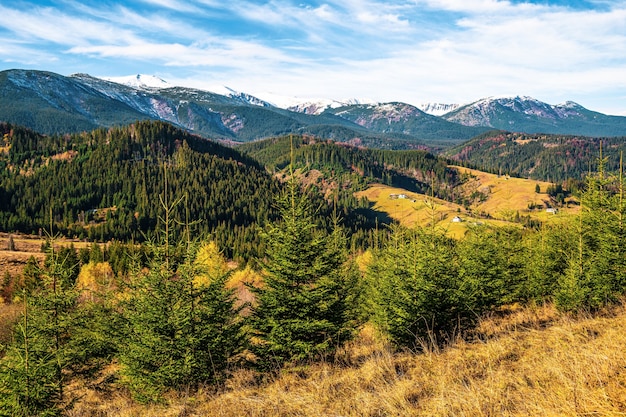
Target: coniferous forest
(155, 296)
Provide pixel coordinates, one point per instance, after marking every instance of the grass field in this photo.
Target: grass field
(504, 197)
(527, 362)
(418, 209)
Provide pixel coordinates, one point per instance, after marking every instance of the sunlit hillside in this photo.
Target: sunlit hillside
(498, 200)
(412, 209)
(504, 195)
(526, 362)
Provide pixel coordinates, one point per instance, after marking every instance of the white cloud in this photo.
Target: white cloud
(414, 51)
(51, 25)
(179, 6)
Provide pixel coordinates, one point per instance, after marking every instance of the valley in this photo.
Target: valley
(188, 276)
(502, 201)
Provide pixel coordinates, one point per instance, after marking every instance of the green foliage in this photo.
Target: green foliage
(303, 307)
(417, 294)
(99, 185)
(417, 171)
(545, 256)
(33, 371)
(596, 271)
(553, 158)
(178, 334)
(490, 267)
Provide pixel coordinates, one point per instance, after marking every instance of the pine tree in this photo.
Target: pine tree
(33, 371)
(303, 308)
(181, 331)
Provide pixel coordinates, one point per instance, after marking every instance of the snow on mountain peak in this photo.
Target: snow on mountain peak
(437, 109)
(314, 106)
(140, 81)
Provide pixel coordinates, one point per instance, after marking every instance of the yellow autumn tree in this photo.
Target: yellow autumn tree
(212, 261)
(94, 277)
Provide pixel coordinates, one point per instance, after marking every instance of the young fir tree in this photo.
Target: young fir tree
(33, 372)
(181, 331)
(416, 290)
(596, 271)
(303, 308)
(490, 267)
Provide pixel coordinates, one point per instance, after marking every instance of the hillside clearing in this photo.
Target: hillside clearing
(500, 199)
(507, 195)
(418, 209)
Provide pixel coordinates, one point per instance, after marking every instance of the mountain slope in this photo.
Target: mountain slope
(404, 119)
(50, 103)
(107, 184)
(525, 114)
(539, 156)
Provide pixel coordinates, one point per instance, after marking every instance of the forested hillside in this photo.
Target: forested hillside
(179, 323)
(354, 167)
(164, 319)
(544, 157)
(105, 184)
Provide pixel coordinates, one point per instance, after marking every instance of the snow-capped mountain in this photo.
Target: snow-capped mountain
(526, 114)
(51, 103)
(140, 81)
(403, 119)
(491, 111)
(320, 105)
(437, 109)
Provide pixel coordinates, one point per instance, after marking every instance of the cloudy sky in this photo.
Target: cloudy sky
(415, 51)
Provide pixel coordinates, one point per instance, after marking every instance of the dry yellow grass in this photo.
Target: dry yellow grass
(507, 195)
(529, 362)
(26, 246)
(418, 209)
(504, 198)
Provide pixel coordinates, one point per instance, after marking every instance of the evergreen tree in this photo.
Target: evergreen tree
(596, 271)
(417, 295)
(33, 371)
(490, 267)
(547, 252)
(181, 331)
(303, 307)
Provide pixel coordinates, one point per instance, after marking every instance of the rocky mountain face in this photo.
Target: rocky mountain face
(51, 103)
(405, 119)
(528, 115)
(438, 109)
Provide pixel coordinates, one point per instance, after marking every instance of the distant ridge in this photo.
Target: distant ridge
(528, 115)
(51, 103)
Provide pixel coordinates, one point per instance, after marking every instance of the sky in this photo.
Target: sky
(413, 51)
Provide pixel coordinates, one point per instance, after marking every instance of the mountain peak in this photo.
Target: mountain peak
(140, 81)
(437, 109)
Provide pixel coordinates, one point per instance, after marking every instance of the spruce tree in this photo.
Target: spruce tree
(33, 373)
(181, 331)
(303, 308)
(596, 271)
(416, 291)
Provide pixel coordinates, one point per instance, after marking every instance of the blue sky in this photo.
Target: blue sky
(415, 51)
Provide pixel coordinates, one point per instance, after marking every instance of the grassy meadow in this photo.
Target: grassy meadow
(522, 362)
(504, 197)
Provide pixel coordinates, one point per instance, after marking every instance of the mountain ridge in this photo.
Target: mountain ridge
(51, 103)
(528, 115)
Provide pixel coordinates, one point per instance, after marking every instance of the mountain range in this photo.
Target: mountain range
(51, 103)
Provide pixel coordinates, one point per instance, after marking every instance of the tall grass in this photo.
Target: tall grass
(521, 362)
(9, 314)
